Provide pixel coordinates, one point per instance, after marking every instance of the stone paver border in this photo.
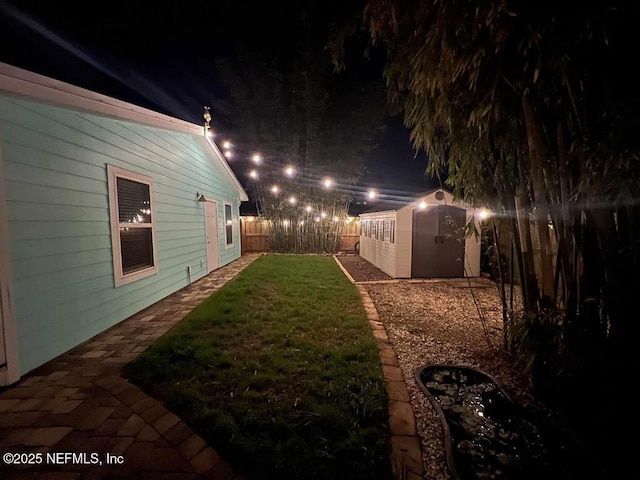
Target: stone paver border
(79, 403)
(406, 451)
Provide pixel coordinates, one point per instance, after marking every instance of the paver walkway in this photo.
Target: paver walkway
(78, 403)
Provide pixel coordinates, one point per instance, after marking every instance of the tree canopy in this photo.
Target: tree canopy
(533, 109)
(286, 103)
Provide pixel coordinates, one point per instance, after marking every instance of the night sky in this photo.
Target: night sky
(161, 55)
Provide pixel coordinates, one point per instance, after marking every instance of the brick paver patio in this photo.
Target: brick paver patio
(78, 403)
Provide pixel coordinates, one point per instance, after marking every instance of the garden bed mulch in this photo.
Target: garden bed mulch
(440, 322)
(360, 269)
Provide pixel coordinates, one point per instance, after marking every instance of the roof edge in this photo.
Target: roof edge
(27, 84)
(218, 155)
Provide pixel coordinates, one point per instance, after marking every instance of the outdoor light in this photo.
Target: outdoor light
(256, 158)
(327, 182)
(285, 223)
(423, 205)
(275, 189)
(483, 214)
(289, 171)
(228, 154)
(372, 194)
(317, 219)
(253, 174)
(348, 220)
(323, 215)
(292, 200)
(226, 144)
(335, 219)
(308, 208)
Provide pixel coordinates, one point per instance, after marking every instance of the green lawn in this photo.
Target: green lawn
(279, 371)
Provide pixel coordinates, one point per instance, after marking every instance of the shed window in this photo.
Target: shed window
(392, 233)
(387, 231)
(132, 225)
(228, 224)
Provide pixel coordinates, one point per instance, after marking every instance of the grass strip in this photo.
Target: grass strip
(279, 371)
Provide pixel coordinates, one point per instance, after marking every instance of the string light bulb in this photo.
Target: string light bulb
(257, 159)
(483, 214)
(293, 200)
(227, 144)
(253, 174)
(275, 189)
(327, 182)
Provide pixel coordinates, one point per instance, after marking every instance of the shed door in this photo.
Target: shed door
(438, 242)
(424, 250)
(211, 227)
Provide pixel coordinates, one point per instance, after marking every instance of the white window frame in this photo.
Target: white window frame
(224, 224)
(119, 278)
(386, 230)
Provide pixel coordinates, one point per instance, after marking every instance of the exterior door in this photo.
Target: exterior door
(438, 242)
(211, 231)
(451, 223)
(424, 250)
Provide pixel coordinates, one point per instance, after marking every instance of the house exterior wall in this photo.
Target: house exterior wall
(55, 178)
(381, 253)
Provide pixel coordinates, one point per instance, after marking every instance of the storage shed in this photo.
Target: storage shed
(422, 239)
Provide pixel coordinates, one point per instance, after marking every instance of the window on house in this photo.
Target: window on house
(392, 233)
(228, 224)
(132, 225)
(387, 231)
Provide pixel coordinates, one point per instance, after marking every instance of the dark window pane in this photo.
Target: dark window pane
(228, 224)
(137, 249)
(134, 202)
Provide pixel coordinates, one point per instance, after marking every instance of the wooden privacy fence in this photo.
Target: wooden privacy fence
(254, 235)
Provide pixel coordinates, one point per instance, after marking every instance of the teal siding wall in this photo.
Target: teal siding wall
(60, 238)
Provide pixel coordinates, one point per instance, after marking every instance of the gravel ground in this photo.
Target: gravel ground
(437, 322)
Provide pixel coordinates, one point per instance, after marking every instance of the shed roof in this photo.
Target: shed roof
(17, 82)
(403, 202)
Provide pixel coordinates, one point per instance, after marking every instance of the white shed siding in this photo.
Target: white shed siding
(381, 253)
(404, 232)
(396, 259)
